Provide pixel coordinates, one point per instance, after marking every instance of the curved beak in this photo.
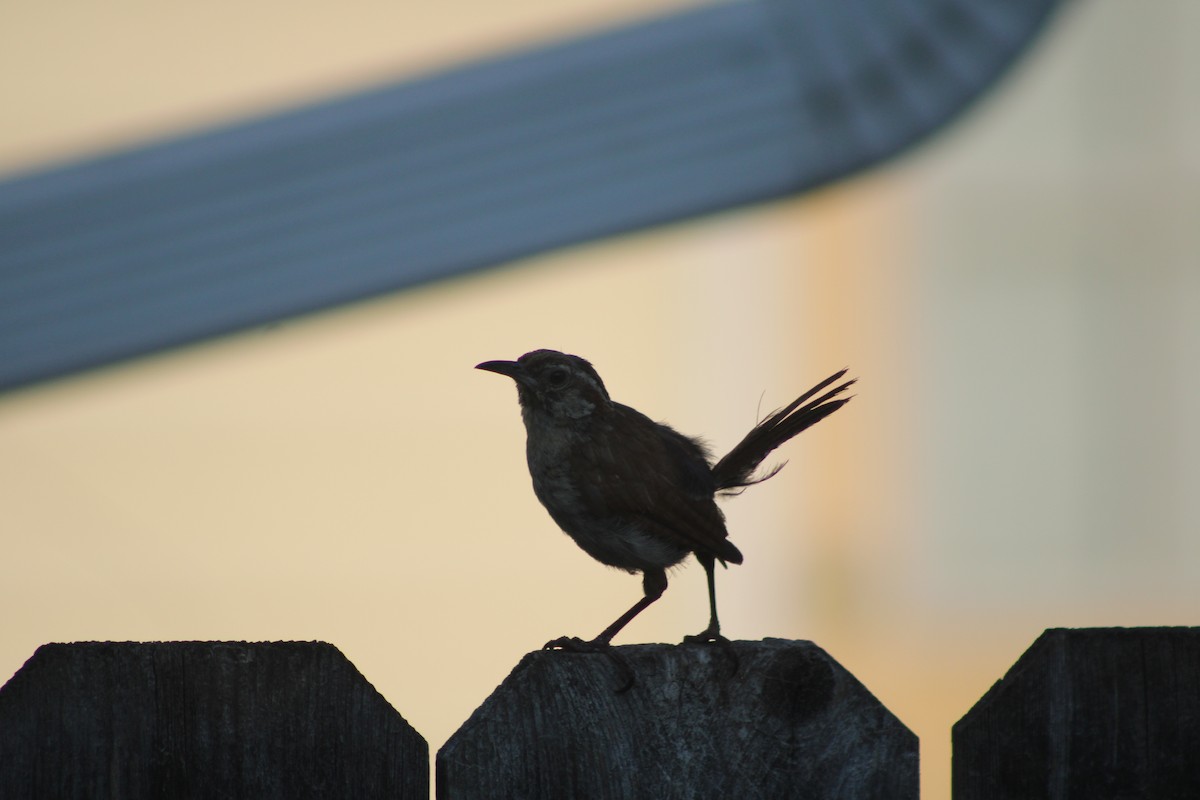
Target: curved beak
(510, 368)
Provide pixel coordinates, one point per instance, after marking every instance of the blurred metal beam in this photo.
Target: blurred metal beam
(711, 108)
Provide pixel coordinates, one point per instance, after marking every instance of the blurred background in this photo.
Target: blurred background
(1019, 297)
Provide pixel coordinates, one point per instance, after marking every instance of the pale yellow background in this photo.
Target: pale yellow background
(1019, 298)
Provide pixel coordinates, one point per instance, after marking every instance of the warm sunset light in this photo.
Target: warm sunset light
(1017, 298)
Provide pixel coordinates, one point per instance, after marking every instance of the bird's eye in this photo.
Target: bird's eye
(557, 378)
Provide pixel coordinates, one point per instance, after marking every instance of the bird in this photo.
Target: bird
(633, 493)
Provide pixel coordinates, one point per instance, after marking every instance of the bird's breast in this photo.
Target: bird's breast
(560, 475)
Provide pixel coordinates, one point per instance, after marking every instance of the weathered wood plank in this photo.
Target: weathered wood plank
(202, 719)
(791, 722)
(1091, 713)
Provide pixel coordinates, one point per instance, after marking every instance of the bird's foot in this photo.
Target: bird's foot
(711, 636)
(573, 644)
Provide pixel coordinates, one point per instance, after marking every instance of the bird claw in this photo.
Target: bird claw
(573, 644)
(712, 637)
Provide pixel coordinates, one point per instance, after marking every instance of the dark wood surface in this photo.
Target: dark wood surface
(790, 722)
(1088, 714)
(202, 720)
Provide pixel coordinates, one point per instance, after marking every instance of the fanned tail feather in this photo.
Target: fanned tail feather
(736, 469)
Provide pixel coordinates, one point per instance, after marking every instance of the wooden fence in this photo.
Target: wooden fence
(1094, 713)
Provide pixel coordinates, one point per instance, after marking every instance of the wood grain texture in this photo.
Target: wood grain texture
(790, 723)
(1091, 713)
(202, 719)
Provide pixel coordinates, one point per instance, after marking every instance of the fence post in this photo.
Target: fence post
(202, 719)
(790, 722)
(1091, 713)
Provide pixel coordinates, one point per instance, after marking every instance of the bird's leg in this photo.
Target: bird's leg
(712, 634)
(654, 583)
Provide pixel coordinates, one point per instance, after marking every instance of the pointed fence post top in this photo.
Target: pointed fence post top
(202, 719)
(1093, 712)
(790, 721)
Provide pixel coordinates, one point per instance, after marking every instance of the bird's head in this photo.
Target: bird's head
(557, 384)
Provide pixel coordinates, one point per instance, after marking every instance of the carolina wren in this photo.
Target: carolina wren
(634, 493)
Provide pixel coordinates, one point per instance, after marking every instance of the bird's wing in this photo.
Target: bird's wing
(658, 479)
